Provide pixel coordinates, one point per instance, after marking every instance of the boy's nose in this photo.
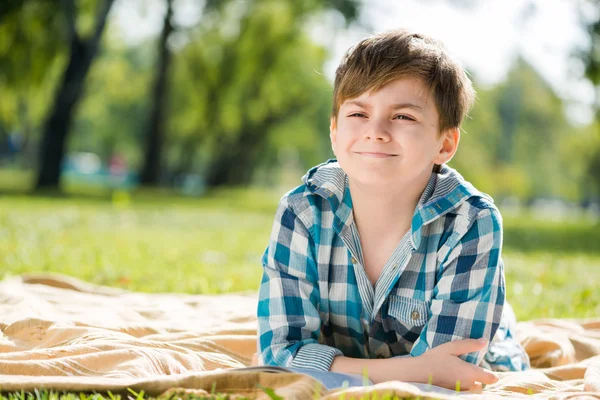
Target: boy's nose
(377, 132)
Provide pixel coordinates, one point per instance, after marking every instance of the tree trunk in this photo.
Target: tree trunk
(56, 128)
(236, 161)
(155, 138)
(187, 153)
(233, 167)
(26, 131)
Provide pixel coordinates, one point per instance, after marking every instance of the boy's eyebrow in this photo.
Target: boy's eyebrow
(396, 106)
(357, 103)
(406, 105)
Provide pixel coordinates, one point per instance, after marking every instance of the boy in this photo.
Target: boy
(387, 260)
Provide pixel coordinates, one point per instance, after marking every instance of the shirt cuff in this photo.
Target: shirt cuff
(315, 356)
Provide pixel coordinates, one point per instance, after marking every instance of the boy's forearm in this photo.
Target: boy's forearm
(379, 370)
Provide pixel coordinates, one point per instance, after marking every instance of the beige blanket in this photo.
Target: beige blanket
(64, 334)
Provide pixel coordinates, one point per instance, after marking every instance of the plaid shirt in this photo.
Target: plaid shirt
(444, 281)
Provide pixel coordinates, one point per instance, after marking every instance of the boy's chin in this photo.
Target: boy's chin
(374, 179)
(372, 175)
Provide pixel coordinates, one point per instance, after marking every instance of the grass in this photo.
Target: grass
(128, 245)
(153, 241)
(553, 285)
(214, 245)
(52, 395)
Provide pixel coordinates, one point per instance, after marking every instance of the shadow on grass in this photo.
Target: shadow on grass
(553, 237)
(242, 199)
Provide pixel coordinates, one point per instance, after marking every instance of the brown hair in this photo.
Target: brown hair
(380, 59)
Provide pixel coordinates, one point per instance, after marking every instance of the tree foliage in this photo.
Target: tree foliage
(31, 51)
(249, 75)
(518, 142)
(591, 59)
(40, 38)
(248, 100)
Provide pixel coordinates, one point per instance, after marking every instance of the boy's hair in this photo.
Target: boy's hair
(380, 59)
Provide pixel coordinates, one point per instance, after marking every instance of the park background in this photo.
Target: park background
(145, 144)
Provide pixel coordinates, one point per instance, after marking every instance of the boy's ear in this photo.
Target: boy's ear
(333, 131)
(449, 145)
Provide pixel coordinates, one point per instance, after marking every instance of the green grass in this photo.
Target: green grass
(553, 285)
(154, 241)
(214, 244)
(209, 245)
(528, 234)
(52, 395)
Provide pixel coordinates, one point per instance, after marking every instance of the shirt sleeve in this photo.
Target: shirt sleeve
(469, 294)
(288, 319)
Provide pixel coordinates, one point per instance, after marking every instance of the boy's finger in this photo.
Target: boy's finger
(485, 376)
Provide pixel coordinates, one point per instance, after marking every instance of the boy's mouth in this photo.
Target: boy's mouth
(374, 154)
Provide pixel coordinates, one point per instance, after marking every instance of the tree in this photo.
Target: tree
(155, 136)
(113, 112)
(260, 70)
(234, 155)
(82, 53)
(517, 137)
(591, 59)
(30, 51)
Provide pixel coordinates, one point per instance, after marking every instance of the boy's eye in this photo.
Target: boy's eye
(404, 117)
(357, 114)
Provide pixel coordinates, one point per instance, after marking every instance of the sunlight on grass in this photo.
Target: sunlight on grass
(545, 284)
(152, 241)
(204, 250)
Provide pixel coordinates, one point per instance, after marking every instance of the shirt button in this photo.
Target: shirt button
(354, 260)
(415, 315)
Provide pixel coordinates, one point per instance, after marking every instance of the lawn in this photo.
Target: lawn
(157, 242)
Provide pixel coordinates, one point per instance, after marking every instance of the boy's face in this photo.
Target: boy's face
(391, 136)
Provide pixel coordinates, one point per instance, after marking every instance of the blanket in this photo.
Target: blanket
(64, 334)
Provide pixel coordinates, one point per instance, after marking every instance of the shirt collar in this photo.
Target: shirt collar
(444, 192)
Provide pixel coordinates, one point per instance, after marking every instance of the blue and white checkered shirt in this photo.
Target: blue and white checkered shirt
(444, 281)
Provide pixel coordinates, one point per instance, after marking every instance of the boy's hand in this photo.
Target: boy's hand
(442, 367)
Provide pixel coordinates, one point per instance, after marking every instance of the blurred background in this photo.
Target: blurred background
(145, 143)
